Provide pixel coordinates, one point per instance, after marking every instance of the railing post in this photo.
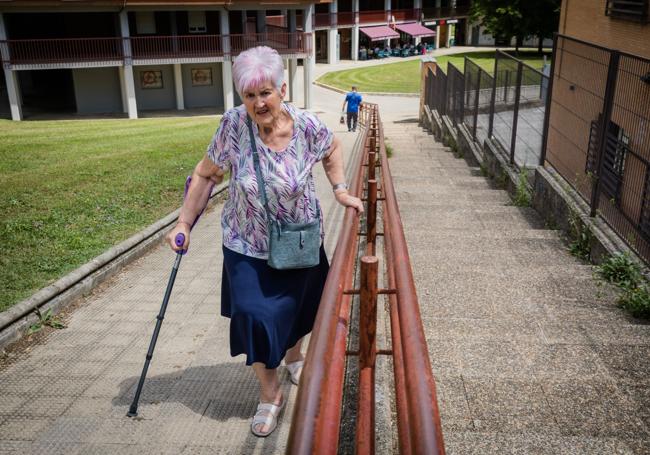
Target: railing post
(371, 216)
(493, 98)
(365, 437)
(547, 105)
(515, 116)
(608, 104)
(478, 93)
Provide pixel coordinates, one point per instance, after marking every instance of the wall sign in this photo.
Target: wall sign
(151, 79)
(201, 76)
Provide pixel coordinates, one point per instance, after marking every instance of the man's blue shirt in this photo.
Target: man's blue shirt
(353, 99)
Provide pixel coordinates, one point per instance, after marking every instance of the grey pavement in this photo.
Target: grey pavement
(530, 356)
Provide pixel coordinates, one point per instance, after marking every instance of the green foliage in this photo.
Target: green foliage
(636, 301)
(626, 274)
(69, 189)
(621, 271)
(46, 319)
(502, 180)
(505, 19)
(581, 237)
(522, 195)
(389, 150)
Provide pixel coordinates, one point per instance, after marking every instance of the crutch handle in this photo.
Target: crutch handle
(179, 240)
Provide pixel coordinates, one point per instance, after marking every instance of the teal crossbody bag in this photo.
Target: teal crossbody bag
(291, 245)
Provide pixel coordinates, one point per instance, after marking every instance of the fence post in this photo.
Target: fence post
(365, 438)
(515, 116)
(493, 98)
(608, 104)
(547, 105)
(478, 93)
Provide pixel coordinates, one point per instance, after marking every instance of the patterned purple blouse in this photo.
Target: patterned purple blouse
(287, 174)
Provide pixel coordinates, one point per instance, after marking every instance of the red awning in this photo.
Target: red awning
(415, 29)
(379, 32)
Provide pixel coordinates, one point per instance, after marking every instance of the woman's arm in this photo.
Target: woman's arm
(333, 164)
(205, 173)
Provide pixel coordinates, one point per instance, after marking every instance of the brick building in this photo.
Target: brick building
(598, 135)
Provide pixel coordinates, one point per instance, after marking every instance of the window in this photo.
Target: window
(196, 21)
(145, 23)
(616, 148)
(632, 10)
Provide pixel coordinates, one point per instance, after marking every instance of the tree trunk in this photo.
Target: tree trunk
(539, 45)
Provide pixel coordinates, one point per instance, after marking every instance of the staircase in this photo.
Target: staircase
(529, 353)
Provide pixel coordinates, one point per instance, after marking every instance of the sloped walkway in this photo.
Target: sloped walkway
(70, 393)
(529, 354)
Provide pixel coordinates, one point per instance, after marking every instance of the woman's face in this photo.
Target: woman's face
(264, 103)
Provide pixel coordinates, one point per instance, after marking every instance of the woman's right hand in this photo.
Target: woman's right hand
(180, 228)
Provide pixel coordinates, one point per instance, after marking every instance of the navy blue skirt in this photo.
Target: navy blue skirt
(269, 310)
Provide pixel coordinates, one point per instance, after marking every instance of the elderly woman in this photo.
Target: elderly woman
(270, 310)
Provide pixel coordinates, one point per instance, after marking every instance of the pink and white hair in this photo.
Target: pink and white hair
(256, 66)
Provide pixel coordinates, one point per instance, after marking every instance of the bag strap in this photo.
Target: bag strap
(258, 172)
(260, 179)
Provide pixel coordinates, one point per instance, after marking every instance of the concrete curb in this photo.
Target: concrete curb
(15, 320)
(338, 90)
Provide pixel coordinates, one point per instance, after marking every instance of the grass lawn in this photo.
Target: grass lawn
(70, 189)
(404, 77)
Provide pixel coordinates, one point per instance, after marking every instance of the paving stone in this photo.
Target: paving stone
(593, 408)
(23, 428)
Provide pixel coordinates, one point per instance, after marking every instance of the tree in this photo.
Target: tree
(504, 19)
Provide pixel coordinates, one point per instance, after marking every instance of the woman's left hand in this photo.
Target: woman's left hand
(347, 200)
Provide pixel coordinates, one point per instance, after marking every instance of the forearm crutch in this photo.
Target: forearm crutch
(179, 240)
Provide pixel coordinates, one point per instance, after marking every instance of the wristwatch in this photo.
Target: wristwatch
(338, 186)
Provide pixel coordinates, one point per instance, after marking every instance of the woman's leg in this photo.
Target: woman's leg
(293, 354)
(270, 388)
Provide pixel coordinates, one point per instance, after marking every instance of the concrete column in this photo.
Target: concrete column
(284, 14)
(308, 62)
(437, 36)
(468, 35)
(129, 90)
(178, 87)
(355, 30)
(11, 77)
(226, 66)
(332, 35)
(129, 84)
(293, 72)
(261, 21)
(387, 8)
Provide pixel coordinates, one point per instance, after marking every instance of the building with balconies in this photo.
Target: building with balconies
(130, 56)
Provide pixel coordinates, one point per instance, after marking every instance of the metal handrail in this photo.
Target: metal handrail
(317, 417)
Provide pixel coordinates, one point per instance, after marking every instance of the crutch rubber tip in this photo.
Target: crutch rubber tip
(132, 414)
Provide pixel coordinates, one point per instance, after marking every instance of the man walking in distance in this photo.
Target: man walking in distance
(353, 100)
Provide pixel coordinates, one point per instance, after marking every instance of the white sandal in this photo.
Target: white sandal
(295, 370)
(266, 414)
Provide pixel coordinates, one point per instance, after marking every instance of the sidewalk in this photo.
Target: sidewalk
(70, 393)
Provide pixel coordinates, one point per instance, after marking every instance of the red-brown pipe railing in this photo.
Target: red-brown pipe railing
(423, 424)
(317, 414)
(317, 417)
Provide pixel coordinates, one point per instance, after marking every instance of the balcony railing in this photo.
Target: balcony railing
(72, 50)
(405, 14)
(148, 47)
(369, 17)
(85, 50)
(445, 12)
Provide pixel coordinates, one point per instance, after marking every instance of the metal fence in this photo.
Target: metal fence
(478, 100)
(508, 106)
(598, 134)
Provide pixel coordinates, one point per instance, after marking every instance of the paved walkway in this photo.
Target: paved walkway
(530, 356)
